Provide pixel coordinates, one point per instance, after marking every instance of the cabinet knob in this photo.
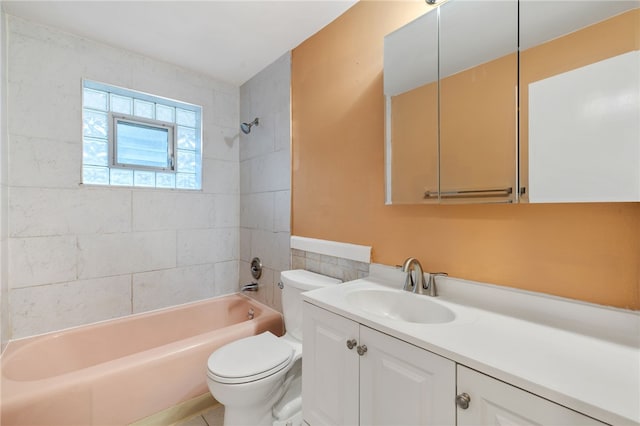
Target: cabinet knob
(361, 350)
(351, 343)
(463, 400)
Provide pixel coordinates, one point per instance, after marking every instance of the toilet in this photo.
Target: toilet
(258, 378)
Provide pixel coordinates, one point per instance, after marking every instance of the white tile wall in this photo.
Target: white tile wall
(227, 210)
(37, 211)
(157, 209)
(4, 223)
(257, 210)
(220, 176)
(160, 289)
(103, 255)
(226, 277)
(54, 164)
(265, 180)
(282, 215)
(198, 246)
(78, 254)
(221, 143)
(40, 309)
(42, 260)
(245, 244)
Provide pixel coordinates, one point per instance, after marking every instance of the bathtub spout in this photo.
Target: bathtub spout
(250, 287)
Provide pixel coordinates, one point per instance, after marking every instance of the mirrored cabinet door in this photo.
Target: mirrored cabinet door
(580, 100)
(478, 101)
(411, 94)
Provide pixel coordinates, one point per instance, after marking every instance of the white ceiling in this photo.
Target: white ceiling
(228, 40)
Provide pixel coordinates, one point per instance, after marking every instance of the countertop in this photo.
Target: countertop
(582, 370)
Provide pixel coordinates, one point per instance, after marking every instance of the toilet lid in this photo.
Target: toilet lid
(249, 359)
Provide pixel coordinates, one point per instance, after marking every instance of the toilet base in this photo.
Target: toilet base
(248, 406)
(295, 420)
(247, 417)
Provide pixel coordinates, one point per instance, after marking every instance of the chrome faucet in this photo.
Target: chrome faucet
(250, 287)
(417, 284)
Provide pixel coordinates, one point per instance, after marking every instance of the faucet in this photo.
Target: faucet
(412, 264)
(419, 287)
(250, 287)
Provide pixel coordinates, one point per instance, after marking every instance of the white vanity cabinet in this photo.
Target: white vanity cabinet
(330, 371)
(492, 402)
(353, 375)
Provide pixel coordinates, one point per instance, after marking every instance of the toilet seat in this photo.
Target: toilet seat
(249, 359)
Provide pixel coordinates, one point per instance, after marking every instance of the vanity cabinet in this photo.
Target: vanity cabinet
(353, 375)
(492, 402)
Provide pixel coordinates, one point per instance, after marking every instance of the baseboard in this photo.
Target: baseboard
(179, 412)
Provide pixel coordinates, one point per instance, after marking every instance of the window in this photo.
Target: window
(135, 139)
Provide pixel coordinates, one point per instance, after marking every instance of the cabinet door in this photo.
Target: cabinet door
(401, 384)
(478, 101)
(579, 109)
(411, 118)
(493, 402)
(329, 369)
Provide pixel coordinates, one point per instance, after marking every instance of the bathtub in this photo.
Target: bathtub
(119, 371)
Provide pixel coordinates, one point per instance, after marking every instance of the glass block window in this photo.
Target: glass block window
(136, 139)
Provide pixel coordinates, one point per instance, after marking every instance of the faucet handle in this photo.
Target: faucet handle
(431, 287)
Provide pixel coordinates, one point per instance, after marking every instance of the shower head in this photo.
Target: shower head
(246, 127)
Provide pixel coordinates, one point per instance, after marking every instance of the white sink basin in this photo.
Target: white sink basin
(400, 306)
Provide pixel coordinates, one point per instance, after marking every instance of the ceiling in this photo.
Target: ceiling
(229, 40)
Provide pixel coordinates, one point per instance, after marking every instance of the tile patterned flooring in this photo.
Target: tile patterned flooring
(211, 417)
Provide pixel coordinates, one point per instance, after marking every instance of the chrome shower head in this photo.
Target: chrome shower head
(246, 127)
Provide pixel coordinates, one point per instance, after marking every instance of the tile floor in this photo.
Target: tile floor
(211, 417)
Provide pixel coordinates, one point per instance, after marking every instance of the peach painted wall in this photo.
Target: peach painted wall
(589, 252)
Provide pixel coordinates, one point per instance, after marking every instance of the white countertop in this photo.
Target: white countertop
(588, 372)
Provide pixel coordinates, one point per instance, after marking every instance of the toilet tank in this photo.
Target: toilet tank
(296, 282)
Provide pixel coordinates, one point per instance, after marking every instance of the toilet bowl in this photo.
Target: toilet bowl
(257, 378)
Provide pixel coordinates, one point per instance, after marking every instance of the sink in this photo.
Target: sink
(400, 305)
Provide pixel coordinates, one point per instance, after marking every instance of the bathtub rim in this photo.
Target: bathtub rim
(21, 341)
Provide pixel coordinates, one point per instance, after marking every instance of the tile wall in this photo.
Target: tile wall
(4, 222)
(336, 267)
(79, 254)
(265, 177)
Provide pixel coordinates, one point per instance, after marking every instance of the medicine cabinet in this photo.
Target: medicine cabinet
(514, 101)
(580, 101)
(450, 81)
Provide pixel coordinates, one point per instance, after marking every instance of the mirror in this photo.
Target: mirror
(580, 101)
(411, 96)
(451, 105)
(478, 101)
